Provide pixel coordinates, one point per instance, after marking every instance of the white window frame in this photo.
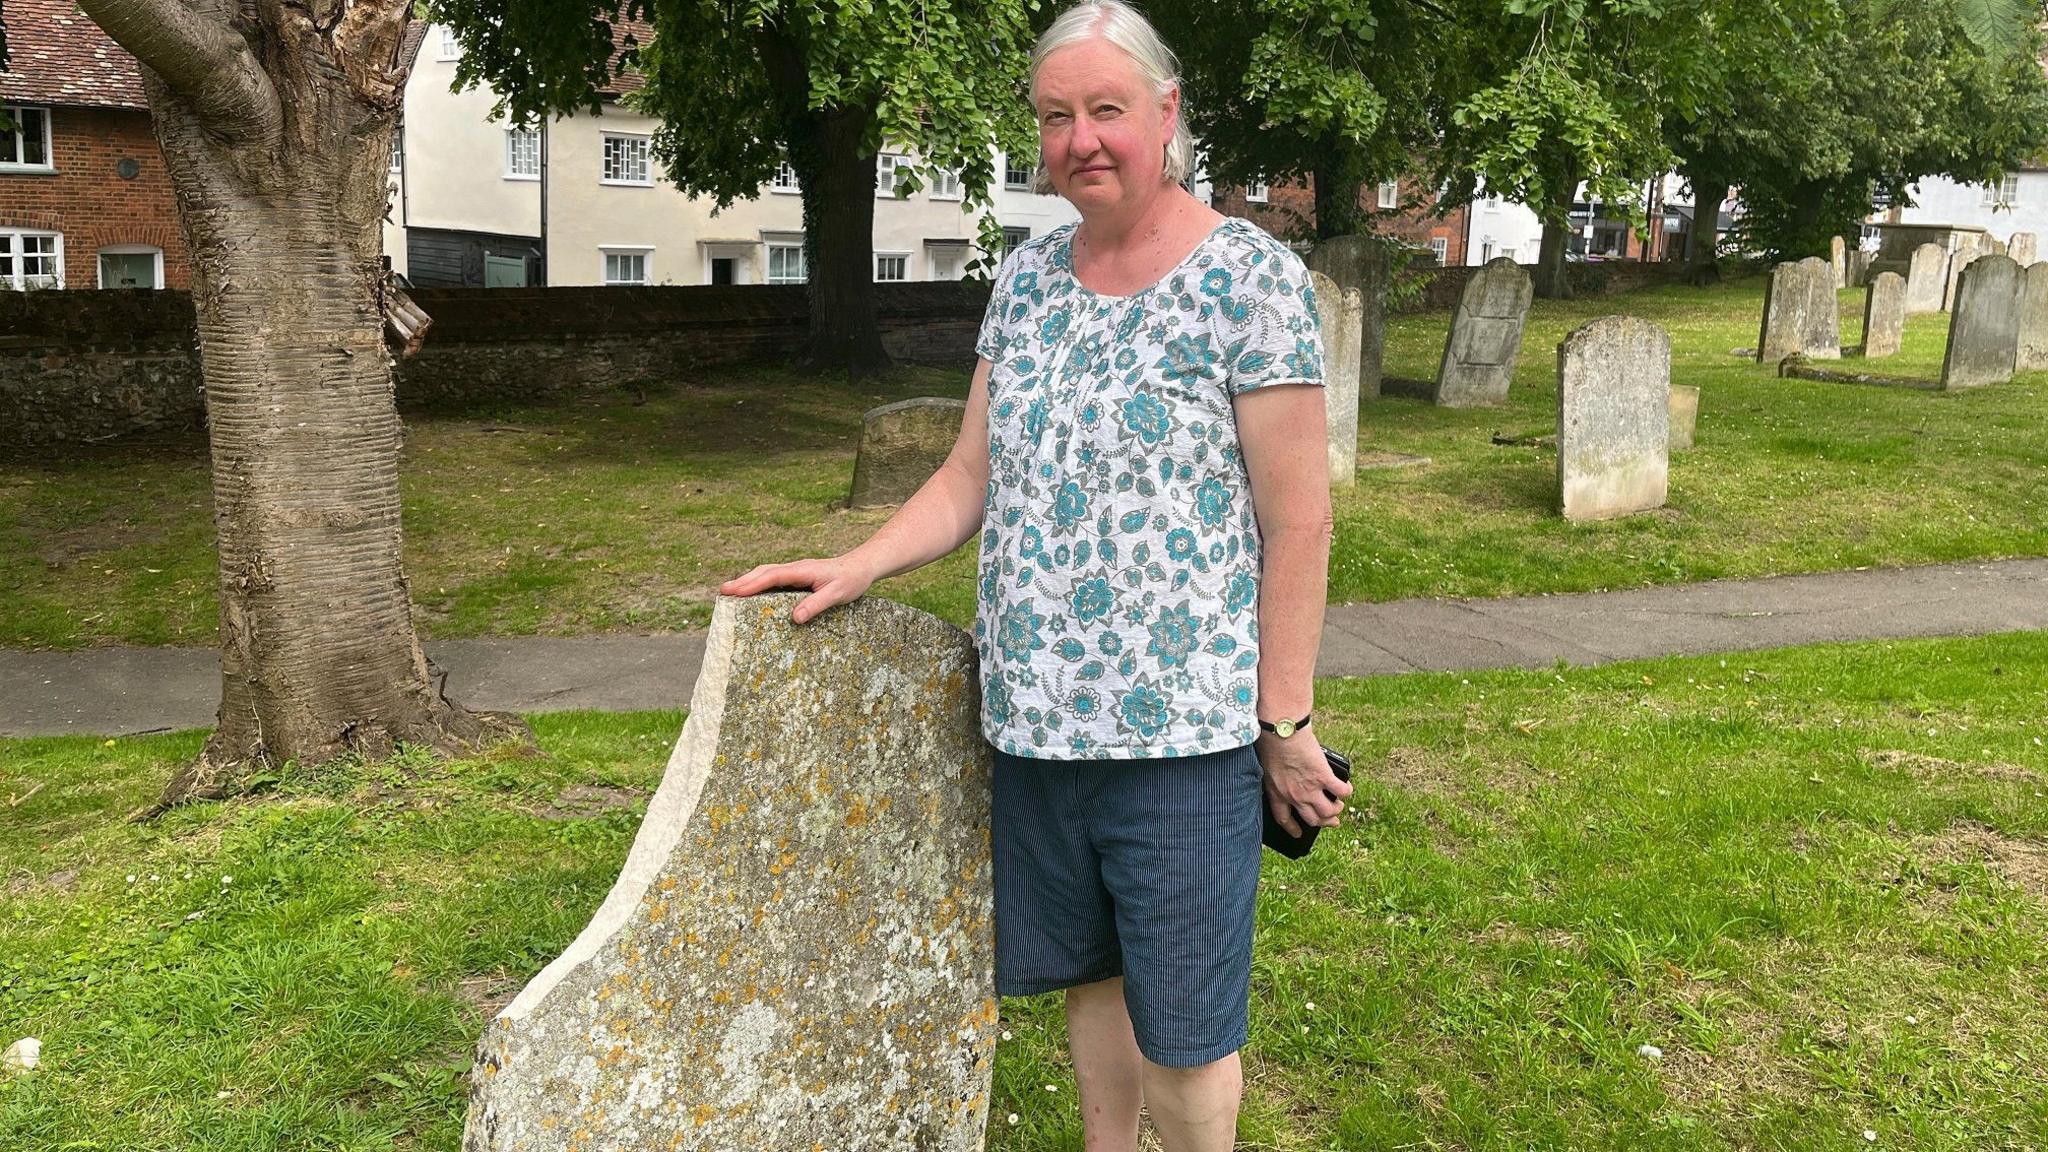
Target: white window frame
(1390, 194)
(2003, 192)
(887, 180)
(768, 275)
(1015, 185)
(1441, 245)
(397, 167)
(1509, 254)
(604, 264)
(49, 164)
(785, 181)
(945, 185)
(511, 153)
(100, 271)
(1015, 236)
(16, 279)
(1258, 193)
(451, 48)
(646, 142)
(881, 256)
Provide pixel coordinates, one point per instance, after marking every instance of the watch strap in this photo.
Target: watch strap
(1286, 728)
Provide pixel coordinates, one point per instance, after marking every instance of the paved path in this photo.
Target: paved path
(115, 691)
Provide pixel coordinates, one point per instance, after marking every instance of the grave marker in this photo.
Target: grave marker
(1613, 417)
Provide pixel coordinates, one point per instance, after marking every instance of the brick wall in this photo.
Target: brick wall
(1290, 213)
(89, 201)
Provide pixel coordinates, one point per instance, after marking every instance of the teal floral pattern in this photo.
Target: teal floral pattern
(1119, 572)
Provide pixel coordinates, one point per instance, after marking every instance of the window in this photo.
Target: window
(131, 266)
(522, 153)
(1257, 193)
(2003, 192)
(26, 142)
(626, 265)
(946, 185)
(450, 47)
(1507, 253)
(1017, 173)
(1486, 252)
(1012, 237)
(1441, 245)
(398, 149)
(625, 160)
(892, 266)
(785, 178)
(31, 260)
(786, 264)
(887, 178)
(1390, 194)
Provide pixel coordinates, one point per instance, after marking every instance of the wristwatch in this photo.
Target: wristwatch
(1285, 728)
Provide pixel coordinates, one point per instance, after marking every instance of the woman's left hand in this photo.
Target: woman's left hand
(1298, 780)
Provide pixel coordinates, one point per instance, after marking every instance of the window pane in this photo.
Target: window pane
(127, 270)
(35, 135)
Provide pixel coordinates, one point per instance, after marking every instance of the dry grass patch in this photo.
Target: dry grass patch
(2020, 863)
(1935, 769)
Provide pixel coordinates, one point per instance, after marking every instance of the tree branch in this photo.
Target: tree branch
(366, 45)
(201, 59)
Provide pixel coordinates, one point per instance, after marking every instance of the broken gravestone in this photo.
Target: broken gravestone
(2022, 248)
(1360, 264)
(1801, 317)
(1984, 328)
(1342, 315)
(2033, 351)
(798, 953)
(1884, 315)
(1486, 335)
(901, 445)
(1926, 279)
(1685, 414)
(1613, 417)
(1838, 261)
(1956, 263)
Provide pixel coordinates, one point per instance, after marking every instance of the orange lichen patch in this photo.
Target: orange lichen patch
(703, 1114)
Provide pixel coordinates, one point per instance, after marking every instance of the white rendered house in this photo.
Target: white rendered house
(2017, 202)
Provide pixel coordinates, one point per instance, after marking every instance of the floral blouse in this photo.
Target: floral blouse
(1119, 574)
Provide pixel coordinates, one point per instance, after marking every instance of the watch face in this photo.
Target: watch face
(1284, 729)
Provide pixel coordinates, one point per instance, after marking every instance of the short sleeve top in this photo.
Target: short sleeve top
(1117, 606)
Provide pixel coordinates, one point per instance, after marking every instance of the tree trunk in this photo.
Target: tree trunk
(839, 230)
(1551, 283)
(1702, 256)
(1338, 183)
(318, 653)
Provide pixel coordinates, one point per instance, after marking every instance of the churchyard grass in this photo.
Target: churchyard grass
(602, 514)
(1816, 880)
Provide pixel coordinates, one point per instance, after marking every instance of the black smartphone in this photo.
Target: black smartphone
(1295, 847)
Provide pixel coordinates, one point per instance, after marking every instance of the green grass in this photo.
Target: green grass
(1817, 879)
(601, 514)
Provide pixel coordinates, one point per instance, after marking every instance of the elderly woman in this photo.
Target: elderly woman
(1143, 459)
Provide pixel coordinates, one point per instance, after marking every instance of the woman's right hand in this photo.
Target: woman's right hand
(832, 581)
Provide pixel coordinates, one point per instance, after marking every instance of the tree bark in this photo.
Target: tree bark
(281, 202)
(839, 230)
(1551, 283)
(1338, 183)
(1702, 256)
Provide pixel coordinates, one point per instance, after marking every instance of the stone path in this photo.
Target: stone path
(117, 691)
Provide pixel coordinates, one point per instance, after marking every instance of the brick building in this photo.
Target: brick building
(1404, 209)
(85, 201)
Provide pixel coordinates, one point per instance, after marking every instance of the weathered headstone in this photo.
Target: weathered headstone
(1984, 328)
(2033, 344)
(1342, 315)
(1360, 264)
(901, 445)
(1613, 417)
(1685, 414)
(1926, 278)
(798, 953)
(1884, 315)
(1956, 263)
(2022, 248)
(1838, 261)
(1859, 267)
(1486, 334)
(1801, 317)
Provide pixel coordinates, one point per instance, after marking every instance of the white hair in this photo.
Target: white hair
(1123, 26)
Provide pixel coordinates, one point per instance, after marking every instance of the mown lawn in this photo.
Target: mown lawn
(603, 514)
(1816, 880)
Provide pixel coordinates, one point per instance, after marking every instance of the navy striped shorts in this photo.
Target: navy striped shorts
(1147, 869)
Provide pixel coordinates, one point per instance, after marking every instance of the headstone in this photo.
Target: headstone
(1884, 315)
(1342, 315)
(1993, 246)
(2033, 345)
(1859, 267)
(1685, 414)
(1984, 328)
(1838, 260)
(1613, 417)
(2022, 248)
(1956, 263)
(1359, 264)
(1926, 278)
(901, 445)
(799, 951)
(1801, 317)
(1486, 334)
